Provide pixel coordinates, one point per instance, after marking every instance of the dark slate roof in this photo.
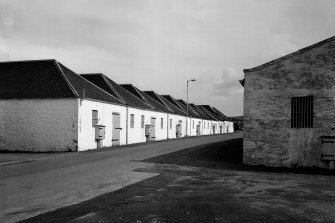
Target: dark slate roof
(173, 101)
(212, 112)
(223, 116)
(202, 114)
(86, 89)
(212, 117)
(33, 79)
(99, 80)
(192, 113)
(291, 54)
(146, 98)
(46, 79)
(176, 110)
(110, 86)
(159, 99)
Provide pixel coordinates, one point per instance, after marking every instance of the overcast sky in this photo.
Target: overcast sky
(159, 44)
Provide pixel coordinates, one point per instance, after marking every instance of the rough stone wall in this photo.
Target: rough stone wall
(39, 125)
(268, 136)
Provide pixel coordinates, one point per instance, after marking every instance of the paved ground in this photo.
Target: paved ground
(37, 183)
(208, 183)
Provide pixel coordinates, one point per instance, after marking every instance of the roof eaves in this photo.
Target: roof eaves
(164, 105)
(143, 100)
(113, 89)
(92, 84)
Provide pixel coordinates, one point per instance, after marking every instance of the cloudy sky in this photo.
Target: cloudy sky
(159, 44)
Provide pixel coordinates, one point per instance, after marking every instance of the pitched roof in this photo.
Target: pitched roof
(202, 114)
(191, 112)
(33, 79)
(209, 114)
(146, 98)
(99, 80)
(174, 102)
(223, 116)
(113, 88)
(214, 113)
(86, 89)
(290, 55)
(176, 110)
(159, 99)
(46, 79)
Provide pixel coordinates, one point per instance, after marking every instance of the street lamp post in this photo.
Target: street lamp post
(187, 105)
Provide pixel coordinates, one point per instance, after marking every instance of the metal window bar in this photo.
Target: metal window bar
(302, 112)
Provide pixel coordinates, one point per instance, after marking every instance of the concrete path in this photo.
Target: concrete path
(47, 183)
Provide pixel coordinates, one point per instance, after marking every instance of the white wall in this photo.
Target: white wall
(175, 121)
(193, 128)
(161, 133)
(38, 125)
(206, 130)
(137, 134)
(229, 127)
(86, 132)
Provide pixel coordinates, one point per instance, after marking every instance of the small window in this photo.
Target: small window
(302, 112)
(208, 125)
(142, 121)
(162, 123)
(193, 124)
(94, 117)
(132, 120)
(170, 123)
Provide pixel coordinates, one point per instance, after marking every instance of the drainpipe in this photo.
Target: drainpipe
(126, 124)
(167, 126)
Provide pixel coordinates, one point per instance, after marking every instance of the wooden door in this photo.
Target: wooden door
(153, 128)
(116, 129)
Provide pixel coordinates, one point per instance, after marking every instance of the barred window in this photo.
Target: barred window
(302, 112)
(132, 120)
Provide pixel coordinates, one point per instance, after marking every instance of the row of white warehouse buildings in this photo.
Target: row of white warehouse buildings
(45, 106)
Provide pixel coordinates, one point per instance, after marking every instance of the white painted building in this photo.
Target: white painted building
(47, 107)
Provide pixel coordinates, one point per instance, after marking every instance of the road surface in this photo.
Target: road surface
(54, 181)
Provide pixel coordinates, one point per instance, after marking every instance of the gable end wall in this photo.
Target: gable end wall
(268, 138)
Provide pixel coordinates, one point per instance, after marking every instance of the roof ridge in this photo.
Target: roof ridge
(174, 100)
(145, 101)
(22, 61)
(302, 50)
(113, 89)
(164, 105)
(188, 105)
(65, 78)
(86, 81)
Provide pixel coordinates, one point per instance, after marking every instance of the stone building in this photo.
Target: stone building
(289, 109)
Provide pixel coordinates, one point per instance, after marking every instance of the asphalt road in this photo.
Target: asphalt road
(54, 181)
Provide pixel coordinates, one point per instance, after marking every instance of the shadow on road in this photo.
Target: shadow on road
(225, 155)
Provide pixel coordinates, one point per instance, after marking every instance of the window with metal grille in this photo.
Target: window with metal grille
(94, 117)
(162, 123)
(142, 121)
(302, 112)
(170, 123)
(132, 120)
